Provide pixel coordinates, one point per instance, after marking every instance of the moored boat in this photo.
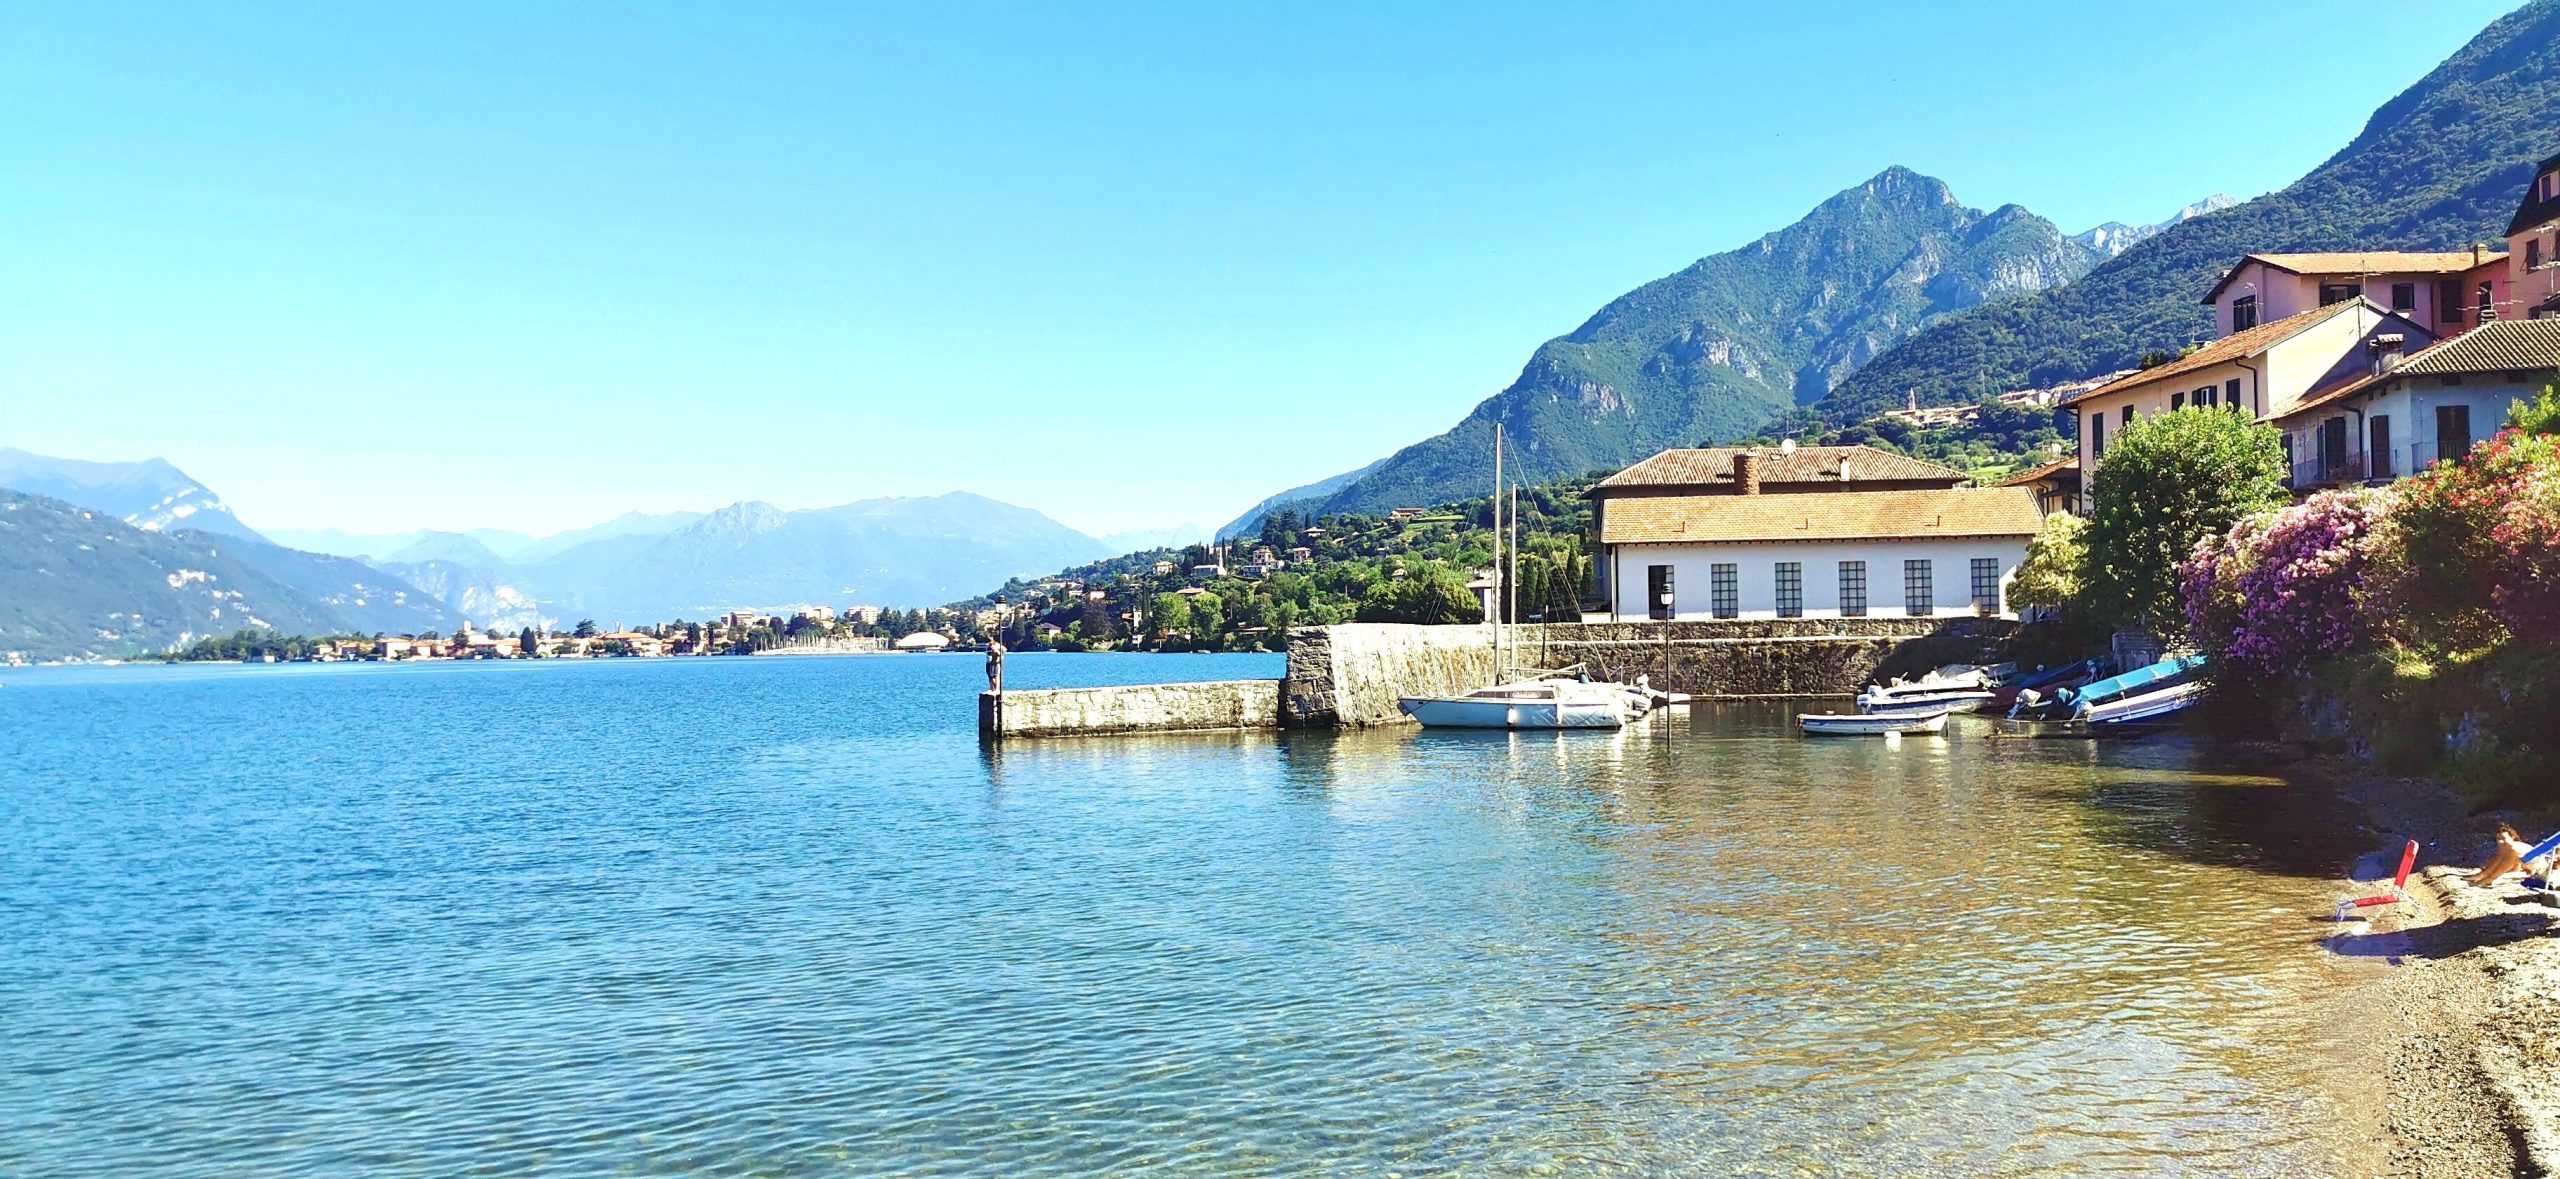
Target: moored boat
(1527, 704)
(1820, 724)
(2143, 706)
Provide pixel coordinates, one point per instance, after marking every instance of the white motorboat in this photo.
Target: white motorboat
(2144, 706)
(1820, 724)
(1880, 702)
(1527, 704)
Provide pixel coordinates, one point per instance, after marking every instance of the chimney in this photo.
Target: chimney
(1746, 472)
(2386, 351)
(2479, 252)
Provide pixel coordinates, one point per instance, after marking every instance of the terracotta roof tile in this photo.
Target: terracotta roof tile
(2500, 345)
(2055, 467)
(2231, 347)
(2374, 262)
(1829, 465)
(1840, 515)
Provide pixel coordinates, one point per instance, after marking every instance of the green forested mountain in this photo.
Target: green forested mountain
(2439, 167)
(76, 583)
(1721, 347)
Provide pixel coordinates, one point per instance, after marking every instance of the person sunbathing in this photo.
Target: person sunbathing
(2509, 858)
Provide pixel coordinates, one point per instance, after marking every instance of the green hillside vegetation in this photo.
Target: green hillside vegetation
(79, 584)
(2001, 440)
(1720, 348)
(1358, 567)
(2439, 167)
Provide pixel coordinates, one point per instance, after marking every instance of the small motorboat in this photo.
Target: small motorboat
(1877, 702)
(1954, 687)
(2143, 706)
(1525, 704)
(2076, 702)
(1820, 724)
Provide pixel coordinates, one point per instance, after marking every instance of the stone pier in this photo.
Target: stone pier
(1221, 705)
(1350, 676)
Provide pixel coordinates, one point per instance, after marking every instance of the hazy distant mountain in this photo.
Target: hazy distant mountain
(895, 552)
(626, 524)
(149, 494)
(1161, 538)
(487, 597)
(2115, 237)
(371, 600)
(77, 583)
(381, 546)
(453, 548)
(1718, 349)
(1251, 520)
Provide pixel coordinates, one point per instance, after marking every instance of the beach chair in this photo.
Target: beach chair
(2399, 886)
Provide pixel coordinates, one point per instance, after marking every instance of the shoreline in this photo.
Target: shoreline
(2469, 1019)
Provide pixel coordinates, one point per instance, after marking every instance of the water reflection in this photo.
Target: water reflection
(829, 931)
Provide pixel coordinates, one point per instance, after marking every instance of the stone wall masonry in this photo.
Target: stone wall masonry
(1350, 676)
(1138, 708)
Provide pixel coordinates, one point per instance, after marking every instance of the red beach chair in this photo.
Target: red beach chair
(2399, 887)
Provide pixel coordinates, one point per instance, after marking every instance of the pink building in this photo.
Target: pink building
(2533, 249)
(2445, 292)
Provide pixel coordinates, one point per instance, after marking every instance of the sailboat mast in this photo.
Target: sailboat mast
(1497, 551)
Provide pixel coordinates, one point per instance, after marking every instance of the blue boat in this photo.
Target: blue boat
(2167, 673)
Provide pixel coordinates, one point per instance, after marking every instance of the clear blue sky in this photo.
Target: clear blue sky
(530, 266)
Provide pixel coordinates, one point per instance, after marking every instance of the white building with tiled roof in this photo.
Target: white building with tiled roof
(2422, 410)
(1752, 553)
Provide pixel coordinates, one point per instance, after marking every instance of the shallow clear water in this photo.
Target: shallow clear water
(783, 915)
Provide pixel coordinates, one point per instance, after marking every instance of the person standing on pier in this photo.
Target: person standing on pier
(995, 666)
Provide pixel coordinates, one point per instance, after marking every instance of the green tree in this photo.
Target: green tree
(528, 642)
(586, 628)
(2057, 558)
(2169, 481)
(2538, 416)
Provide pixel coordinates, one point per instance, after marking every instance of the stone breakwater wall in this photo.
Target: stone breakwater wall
(1349, 676)
(1141, 708)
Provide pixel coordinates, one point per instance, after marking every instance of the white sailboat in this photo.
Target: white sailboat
(1522, 703)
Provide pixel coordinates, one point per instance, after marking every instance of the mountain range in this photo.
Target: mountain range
(2438, 167)
(1894, 286)
(1723, 346)
(78, 583)
(106, 559)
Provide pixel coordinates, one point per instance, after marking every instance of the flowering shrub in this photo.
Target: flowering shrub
(2482, 538)
(2285, 590)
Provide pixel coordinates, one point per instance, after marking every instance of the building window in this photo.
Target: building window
(2453, 432)
(1853, 589)
(1918, 597)
(2533, 254)
(2404, 296)
(2449, 300)
(2231, 392)
(2488, 304)
(2097, 435)
(2178, 400)
(1724, 589)
(1986, 585)
(2128, 415)
(1790, 589)
(1659, 599)
(2339, 292)
(2244, 313)
(2380, 453)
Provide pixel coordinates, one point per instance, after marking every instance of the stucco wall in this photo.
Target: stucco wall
(1755, 566)
(1141, 708)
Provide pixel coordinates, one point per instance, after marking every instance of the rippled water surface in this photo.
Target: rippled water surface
(783, 916)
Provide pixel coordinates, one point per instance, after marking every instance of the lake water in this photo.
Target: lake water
(779, 916)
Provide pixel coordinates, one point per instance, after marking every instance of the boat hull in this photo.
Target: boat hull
(1464, 713)
(2144, 707)
(1817, 724)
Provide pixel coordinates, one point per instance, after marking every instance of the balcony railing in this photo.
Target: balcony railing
(2325, 472)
